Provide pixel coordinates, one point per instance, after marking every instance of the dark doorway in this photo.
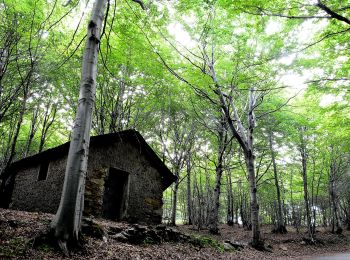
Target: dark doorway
(114, 197)
(44, 167)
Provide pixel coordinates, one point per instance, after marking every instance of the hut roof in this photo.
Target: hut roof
(131, 136)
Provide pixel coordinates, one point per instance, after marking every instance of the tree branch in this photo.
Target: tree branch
(327, 79)
(263, 12)
(140, 3)
(332, 13)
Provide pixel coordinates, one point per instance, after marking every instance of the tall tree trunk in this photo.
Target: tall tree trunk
(189, 194)
(214, 212)
(294, 214)
(333, 196)
(244, 137)
(197, 218)
(67, 221)
(250, 163)
(303, 154)
(280, 226)
(208, 197)
(254, 206)
(241, 195)
(347, 214)
(174, 203)
(230, 207)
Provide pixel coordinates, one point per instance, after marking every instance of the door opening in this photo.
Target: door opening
(114, 198)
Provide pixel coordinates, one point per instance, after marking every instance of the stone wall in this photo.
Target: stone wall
(94, 189)
(143, 195)
(29, 194)
(145, 192)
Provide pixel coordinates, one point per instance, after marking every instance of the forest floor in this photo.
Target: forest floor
(18, 228)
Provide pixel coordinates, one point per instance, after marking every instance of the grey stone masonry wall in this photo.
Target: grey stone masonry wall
(29, 194)
(144, 192)
(94, 190)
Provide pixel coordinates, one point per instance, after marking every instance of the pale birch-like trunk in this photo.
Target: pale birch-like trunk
(174, 202)
(306, 197)
(245, 139)
(230, 208)
(333, 196)
(250, 162)
(67, 221)
(303, 154)
(280, 227)
(214, 212)
(189, 193)
(254, 206)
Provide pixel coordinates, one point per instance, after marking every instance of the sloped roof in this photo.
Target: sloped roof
(132, 136)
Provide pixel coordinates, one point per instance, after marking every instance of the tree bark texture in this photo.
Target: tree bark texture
(67, 221)
(245, 138)
(230, 207)
(280, 227)
(333, 196)
(254, 206)
(214, 213)
(174, 202)
(250, 162)
(189, 193)
(303, 155)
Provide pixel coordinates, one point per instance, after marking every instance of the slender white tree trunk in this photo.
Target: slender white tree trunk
(336, 228)
(250, 162)
(66, 223)
(303, 154)
(230, 208)
(189, 193)
(254, 206)
(214, 213)
(245, 138)
(280, 227)
(174, 202)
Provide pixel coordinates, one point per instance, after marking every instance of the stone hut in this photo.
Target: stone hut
(125, 180)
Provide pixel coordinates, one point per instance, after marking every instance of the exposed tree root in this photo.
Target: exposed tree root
(280, 230)
(214, 231)
(260, 246)
(49, 240)
(63, 246)
(338, 231)
(89, 228)
(312, 241)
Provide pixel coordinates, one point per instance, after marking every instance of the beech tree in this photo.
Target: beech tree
(67, 221)
(209, 84)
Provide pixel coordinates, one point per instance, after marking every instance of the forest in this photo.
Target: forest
(245, 101)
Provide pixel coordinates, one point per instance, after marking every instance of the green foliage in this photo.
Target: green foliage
(135, 89)
(203, 241)
(15, 247)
